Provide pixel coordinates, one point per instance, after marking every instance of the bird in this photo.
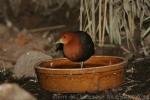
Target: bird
(77, 46)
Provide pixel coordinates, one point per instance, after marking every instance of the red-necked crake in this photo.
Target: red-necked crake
(77, 46)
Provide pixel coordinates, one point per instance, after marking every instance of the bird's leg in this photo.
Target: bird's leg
(82, 63)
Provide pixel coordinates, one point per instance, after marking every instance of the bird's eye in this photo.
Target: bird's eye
(64, 36)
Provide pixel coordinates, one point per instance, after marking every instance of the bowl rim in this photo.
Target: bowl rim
(123, 62)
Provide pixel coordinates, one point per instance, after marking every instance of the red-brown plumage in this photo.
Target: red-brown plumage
(73, 49)
(78, 46)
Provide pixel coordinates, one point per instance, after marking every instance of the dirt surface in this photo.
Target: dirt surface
(135, 87)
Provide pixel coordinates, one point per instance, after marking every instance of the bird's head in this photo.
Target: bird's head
(65, 38)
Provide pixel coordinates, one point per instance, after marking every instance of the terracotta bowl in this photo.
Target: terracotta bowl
(63, 76)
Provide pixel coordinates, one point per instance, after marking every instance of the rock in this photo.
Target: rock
(5, 64)
(4, 32)
(14, 92)
(24, 66)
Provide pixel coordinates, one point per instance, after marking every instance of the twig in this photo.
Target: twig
(144, 48)
(100, 19)
(88, 17)
(132, 97)
(93, 20)
(104, 23)
(47, 28)
(141, 59)
(125, 49)
(81, 15)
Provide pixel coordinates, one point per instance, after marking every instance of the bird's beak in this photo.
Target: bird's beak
(59, 41)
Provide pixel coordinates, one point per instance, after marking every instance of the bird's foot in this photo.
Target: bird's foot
(82, 64)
